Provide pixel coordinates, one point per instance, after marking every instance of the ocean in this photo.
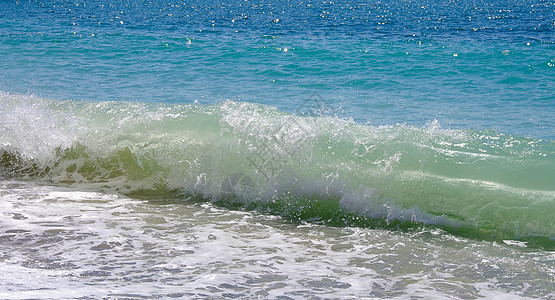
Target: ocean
(277, 149)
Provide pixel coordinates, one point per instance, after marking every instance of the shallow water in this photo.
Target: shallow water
(60, 243)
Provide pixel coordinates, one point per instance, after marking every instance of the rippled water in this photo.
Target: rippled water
(465, 63)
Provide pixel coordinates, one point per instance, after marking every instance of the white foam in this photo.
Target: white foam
(34, 129)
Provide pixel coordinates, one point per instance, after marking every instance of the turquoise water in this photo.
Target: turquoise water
(483, 65)
(339, 149)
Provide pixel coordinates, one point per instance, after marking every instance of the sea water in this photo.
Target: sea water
(277, 149)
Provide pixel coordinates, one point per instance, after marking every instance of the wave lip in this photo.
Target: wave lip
(310, 167)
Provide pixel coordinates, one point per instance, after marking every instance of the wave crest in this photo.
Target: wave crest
(484, 182)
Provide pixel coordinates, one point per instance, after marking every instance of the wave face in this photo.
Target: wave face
(314, 168)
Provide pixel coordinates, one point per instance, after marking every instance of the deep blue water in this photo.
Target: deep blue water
(468, 64)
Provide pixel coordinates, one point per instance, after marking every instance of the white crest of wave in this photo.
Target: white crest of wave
(34, 129)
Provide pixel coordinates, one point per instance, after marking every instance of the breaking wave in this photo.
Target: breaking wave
(308, 167)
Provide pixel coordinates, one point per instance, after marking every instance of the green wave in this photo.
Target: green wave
(483, 184)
